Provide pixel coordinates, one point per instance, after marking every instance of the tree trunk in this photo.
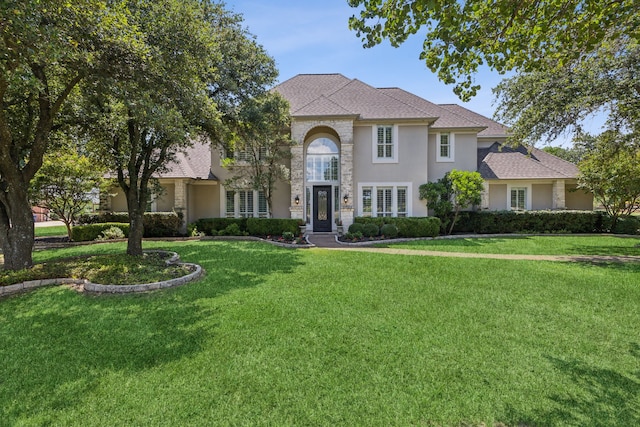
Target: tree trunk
(16, 230)
(136, 232)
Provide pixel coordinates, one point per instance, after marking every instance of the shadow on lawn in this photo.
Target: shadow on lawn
(606, 397)
(57, 344)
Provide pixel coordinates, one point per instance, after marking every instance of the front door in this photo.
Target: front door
(322, 208)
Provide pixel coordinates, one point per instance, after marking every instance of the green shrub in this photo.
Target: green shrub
(231, 230)
(156, 224)
(288, 236)
(370, 230)
(492, 222)
(389, 231)
(356, 228)
(213, 226)
(354, 235)
(627, 225)
(85, 233)
(418, 227)
(272, 226)
(112, 233)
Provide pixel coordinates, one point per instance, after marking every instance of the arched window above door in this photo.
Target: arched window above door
(322, 161)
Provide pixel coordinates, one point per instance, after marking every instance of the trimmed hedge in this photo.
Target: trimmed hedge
(156, 224)
(213, 226)
(85, 233)
(575, 222)
(252, 226)
(407, 227)
(272, 226)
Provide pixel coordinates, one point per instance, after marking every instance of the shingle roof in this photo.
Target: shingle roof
(504, 162)
(337, 95)
(445, 118)
(194, 163)
(493, 128)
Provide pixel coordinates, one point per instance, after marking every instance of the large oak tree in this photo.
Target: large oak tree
(200, 66)
(47, 48)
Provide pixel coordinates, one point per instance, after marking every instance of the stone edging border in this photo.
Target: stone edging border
(84, 285)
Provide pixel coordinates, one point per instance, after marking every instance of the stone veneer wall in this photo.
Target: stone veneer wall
(299, 131)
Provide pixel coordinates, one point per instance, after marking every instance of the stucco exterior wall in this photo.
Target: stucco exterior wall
(411, 163)
(165, 203)
(203, 202)
(541, 196)
(465, 155)
(497, 197)
(578, 199)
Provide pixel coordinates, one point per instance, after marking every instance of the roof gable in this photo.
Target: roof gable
(492, 128)
(504, 162)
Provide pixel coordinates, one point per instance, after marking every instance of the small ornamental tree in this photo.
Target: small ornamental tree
(63, 185)
(611, 170)
(456, 191)
(438, 197)
(466, 189)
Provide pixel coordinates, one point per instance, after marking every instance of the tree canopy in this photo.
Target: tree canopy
(462, 36)
(611, 170)
(543, 104)
(47, 48)
(180, 91)
(261, 133)
(64, 184)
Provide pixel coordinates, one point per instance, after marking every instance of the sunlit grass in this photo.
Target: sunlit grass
(272, 336)
(534, 245)
(49, 231)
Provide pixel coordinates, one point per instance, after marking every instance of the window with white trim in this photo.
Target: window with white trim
(366, 202)
(385, 146)
(245, 204)
(322, 161)
(384, 200)
(401, 202)
(445, 147)
(518, 198)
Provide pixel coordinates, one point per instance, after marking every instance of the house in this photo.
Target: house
(364, 151)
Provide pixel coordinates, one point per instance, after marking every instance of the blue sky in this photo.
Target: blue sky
(312, 36)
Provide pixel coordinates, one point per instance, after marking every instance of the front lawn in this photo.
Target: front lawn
(274, 336)
(534, 245)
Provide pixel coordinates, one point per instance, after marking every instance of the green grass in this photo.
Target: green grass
(273, 336)
(535, 245)
(48, 231)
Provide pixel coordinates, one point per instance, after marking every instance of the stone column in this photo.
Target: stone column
(558, 195)
(346, 183)
(180, 202)
(297, 181)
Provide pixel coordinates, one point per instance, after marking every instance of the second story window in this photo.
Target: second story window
(385, 145)
(444, 149)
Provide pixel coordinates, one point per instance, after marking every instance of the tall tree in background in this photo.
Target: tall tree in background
(47, 48)
(261, 134)
(180, 91)
(462, 36)
(611, 170)
(544, 104)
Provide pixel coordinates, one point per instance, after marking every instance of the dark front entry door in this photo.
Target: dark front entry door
(322, 208)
